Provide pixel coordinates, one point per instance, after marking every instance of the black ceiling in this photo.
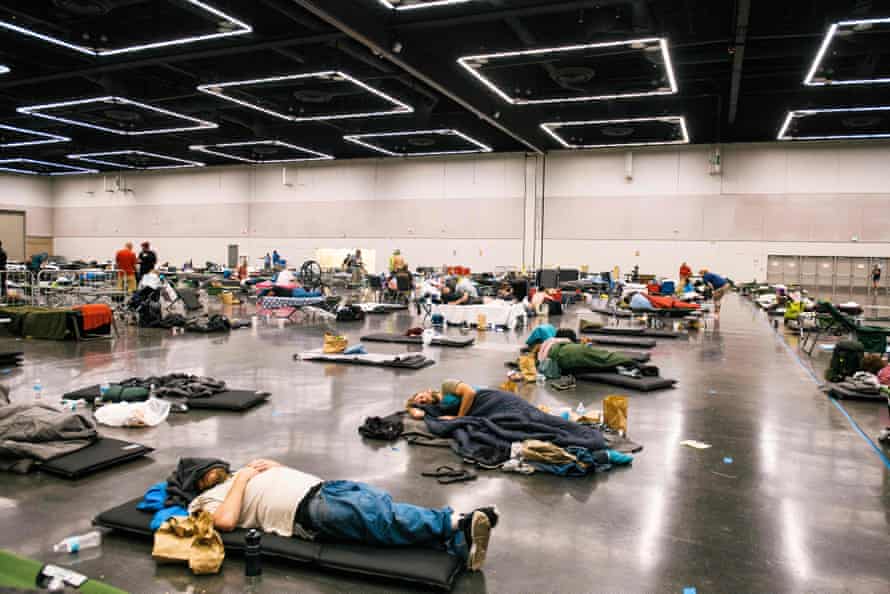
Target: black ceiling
(739, 68)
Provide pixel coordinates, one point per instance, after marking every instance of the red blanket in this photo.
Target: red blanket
(95, 315)
(670, 303)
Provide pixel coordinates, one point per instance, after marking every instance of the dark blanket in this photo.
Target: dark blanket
(182, 484)
(498, 419)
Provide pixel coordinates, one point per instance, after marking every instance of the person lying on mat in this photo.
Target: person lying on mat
(290, 503)
(456, 398)
(562, 347)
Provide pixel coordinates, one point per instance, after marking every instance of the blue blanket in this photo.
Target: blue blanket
(498, 419)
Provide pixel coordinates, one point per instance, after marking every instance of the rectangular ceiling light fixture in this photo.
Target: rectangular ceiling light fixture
(4, 69)
(868, 120)
(419, 139)
(13, 137)
(224, 25)
(841, 30)
(475, 65)
(135, 160)
(35, 167)
(274, 149)
(41, 111)
(617, 129)
(219, 90)
(402, 5)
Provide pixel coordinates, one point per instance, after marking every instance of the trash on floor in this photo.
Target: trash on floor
(698, 445)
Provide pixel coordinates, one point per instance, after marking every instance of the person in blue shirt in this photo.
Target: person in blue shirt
(719, 286)
(455, 397)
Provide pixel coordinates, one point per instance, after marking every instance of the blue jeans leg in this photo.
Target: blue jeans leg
(350, 511)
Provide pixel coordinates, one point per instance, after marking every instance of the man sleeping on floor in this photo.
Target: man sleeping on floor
(562, 349)
(288, 502)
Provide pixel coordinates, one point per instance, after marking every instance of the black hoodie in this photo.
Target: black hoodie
(182, 484)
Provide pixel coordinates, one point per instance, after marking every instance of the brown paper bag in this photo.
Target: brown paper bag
(528, 368)
(334, 344)
(173, 540)
(615, 412)
(207, 552)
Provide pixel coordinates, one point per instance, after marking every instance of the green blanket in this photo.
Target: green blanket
(39, 322)
(19, 572)
(573, 357)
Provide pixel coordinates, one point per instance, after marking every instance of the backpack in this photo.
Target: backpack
(350, 313)
(846, 360)
(386, 428)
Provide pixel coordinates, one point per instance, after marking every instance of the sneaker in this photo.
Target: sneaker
(619, 458)
(477, 531)
(491, 512)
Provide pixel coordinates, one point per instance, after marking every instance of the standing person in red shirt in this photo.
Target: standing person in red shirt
(125, 260)
(685, 273)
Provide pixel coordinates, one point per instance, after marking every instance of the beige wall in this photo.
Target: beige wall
(34, 196)
(771, 199)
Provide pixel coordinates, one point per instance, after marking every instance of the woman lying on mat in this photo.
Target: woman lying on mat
(288, 502)
(562, 347)
(455, 398)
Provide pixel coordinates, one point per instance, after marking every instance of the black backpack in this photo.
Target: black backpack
(350, 313)
(846, 360)
(386, 428)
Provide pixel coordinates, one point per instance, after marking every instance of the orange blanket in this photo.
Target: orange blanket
(95, 315)
(670, 303)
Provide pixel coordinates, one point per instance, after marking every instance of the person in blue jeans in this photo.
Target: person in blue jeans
(285, 501)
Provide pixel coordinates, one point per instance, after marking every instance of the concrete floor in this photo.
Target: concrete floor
(789, 498)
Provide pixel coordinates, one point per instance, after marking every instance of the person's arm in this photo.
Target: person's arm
(463, 299)
(225, 518)
(467, 398)
(416, 413)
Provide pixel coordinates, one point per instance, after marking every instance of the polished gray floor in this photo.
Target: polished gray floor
(789, 498)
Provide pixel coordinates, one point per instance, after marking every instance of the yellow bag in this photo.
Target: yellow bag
(334, 344)
(191, 540)
(615, 412)
(481, 322)
(509, 386)
(528, 367)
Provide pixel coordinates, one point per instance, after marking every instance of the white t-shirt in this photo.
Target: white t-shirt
(285, 278)
(270, 500)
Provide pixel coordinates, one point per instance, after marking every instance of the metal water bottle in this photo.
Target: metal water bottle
(252, 563)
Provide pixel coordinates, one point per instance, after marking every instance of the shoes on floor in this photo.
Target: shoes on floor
(477, 532)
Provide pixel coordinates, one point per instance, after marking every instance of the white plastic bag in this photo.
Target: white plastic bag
(134, 414)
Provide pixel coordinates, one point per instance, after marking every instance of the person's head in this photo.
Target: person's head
(145, 245)
(128, 245)
(703, 271)
(424, 398)
(567, 333)
(446, 290)
(212, 477)
(358, 252)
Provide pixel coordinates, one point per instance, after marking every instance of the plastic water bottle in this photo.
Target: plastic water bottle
(252, 562)
(72, 544)
(581, 409)
(540, 379)
(103, 389)
(38, 390)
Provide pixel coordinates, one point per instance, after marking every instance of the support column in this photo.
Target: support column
(533, 221)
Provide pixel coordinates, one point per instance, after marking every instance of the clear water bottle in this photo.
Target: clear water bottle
(103, 389)
(581, 410)
(540, 379)
(72, 544)
(38, 389)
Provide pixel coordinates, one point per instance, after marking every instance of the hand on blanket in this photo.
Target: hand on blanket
(447, 418)
(262, 465)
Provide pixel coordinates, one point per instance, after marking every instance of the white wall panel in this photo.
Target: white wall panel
(32, 195)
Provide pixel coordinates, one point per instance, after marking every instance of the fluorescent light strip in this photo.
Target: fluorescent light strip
(35, 110)
(820, 55)
(209, 150)
(5, 69)
(551, 128)
(72, 169)
(243, 28)
(91, 158)
(46, 136)
(393, 6)
(213, 89)
(358, 139)
(789, 118)
(663, 45)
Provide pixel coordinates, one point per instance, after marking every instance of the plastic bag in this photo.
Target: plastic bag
(615, 412)
(134, 414)
(334, 344)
